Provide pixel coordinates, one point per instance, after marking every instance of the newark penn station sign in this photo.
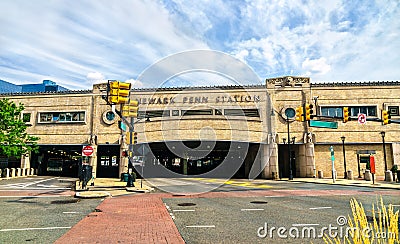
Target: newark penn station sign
(200, 99)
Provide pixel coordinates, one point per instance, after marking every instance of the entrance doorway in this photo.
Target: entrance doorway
(108, 161)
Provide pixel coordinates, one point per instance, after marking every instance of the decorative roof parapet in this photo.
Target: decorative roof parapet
(103, 87)
(288, 81)
(357, 83)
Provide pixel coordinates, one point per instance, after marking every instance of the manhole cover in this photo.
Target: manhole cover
(74, 200)
(259, 202)
(179, 195)
(186, 204)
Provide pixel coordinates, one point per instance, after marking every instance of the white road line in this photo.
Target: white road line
(273, 196)
(183, 210)
(39, 181)
(396, 205)
(43, 228)
(252, 209)
(319, 208)
(200, 226)
(70, 212)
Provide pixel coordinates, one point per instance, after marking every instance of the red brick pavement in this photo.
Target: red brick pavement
(143, 218)
(140, 218)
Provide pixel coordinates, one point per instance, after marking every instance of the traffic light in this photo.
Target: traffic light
(385, 117)
(130, 110)
(118, 92)
(345, 114)
(299, 114)
(308, 111)
(128, 137)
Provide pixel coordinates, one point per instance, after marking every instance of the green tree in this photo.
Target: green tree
(14, 141)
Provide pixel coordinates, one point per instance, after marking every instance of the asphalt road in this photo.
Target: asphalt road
(215, 218)
(39, 209)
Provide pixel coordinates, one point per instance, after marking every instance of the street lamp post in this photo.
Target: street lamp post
(384, 151)
(290, 161)
(344, 157)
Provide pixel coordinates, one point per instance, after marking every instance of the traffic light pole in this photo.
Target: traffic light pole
(130, 165)
(290, 158)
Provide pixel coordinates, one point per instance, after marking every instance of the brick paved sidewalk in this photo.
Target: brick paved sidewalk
(140, 218)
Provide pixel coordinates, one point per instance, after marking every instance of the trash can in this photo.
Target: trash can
(125, 177)
(85, 174)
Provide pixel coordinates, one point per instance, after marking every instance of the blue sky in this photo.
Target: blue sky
(78, 43)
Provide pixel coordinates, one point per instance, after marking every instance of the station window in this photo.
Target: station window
(393, 110)
(27, 118)
(175, 112)
(368, 110)
(62, 117)
(154, 113)
(197, 112)
(332, 111)
(242, 112)
(353, 110)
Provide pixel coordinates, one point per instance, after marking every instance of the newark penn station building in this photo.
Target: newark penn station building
(227, 131)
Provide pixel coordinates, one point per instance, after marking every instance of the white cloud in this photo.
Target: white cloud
(135, 83)
(329, 40)
(316, 66)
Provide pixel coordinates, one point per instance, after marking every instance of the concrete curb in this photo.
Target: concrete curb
(377, 185)
(88, 194)
(141, 190)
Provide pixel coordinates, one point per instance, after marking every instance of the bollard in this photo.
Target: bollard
(32, 171)
(23, 172)
(389, 176)
(368, 175)
(1, 173)
(6, 173)
(320, 174)
(12, 173)
(350, 175)
(18, 172)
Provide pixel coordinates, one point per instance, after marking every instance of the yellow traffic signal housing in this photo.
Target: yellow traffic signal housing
(118, 92)
(308, 111)
(385, 117)
(345, 114)
(133, 108)
(130, 110)
(299, 114)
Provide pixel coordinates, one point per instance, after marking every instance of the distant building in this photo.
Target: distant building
(46, 86)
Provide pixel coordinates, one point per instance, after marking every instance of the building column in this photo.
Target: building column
(306, 157)
(93, 160)
(25, 161)
(269, 160)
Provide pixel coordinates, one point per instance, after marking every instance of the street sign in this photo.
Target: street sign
(122, 126)
(362, 119)
(87, 151)
(324, 124)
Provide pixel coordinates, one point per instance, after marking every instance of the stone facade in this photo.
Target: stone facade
(250, 114)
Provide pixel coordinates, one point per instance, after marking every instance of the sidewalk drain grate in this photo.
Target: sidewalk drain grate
(74, 200)
(259, 202)
(186, 204)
